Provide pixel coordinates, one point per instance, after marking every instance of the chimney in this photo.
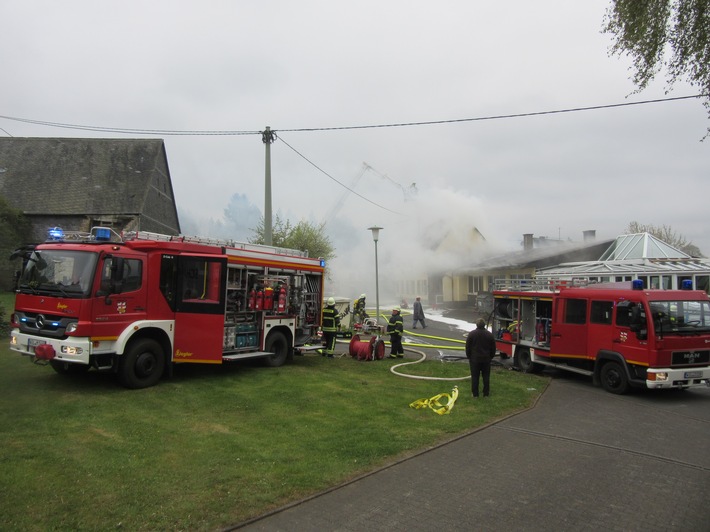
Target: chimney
(589, 235)
(527, 242)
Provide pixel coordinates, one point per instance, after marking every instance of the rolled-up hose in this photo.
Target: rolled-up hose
(371, 349)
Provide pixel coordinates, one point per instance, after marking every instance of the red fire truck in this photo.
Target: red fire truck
(139, 303)
(620, 334)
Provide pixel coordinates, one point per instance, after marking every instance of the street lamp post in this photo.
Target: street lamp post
(375, 236)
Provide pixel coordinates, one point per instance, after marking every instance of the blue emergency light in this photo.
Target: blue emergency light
(637, 284)
(102, 233)
(687, 284)
(55, 233)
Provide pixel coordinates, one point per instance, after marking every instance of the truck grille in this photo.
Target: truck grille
(48, 325)
(685, 358)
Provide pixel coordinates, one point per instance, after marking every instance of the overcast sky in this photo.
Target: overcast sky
(237, 66)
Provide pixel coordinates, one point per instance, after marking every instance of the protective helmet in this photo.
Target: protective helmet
(362, 296)
(397, 309)
(331, 301)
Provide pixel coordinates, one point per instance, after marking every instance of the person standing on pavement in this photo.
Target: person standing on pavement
(395, 328)
(480, 350)
(331, 321)
(418, 313)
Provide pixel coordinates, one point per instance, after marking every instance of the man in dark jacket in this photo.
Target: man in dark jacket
(418, 314)
(480, 350)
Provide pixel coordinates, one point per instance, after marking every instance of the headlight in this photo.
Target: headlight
(660, 376)
(71, 350)
(72, 327)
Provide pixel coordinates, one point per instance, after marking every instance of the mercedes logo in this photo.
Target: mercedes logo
(39, 322)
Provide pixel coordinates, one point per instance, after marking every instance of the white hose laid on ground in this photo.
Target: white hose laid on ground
(393, 369)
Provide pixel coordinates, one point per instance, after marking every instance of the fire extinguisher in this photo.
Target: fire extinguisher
(282, 299)
(252, 300)
(268, 298)
(541, 332)
(259, 300)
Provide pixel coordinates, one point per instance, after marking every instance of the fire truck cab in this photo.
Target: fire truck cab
(140, 303)
(620, 334)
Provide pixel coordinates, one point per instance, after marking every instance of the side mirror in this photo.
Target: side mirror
(635, 322)
(117, 267)
(114, 283)
(638, 322)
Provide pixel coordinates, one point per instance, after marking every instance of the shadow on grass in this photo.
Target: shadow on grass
(106, 381)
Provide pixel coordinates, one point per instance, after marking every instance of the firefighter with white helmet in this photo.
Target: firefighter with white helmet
(331, 322)
(395, 328)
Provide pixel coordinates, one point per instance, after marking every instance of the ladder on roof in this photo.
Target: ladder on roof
(533, 285)
(147, 235)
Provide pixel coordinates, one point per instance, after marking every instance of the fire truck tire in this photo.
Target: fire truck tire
(277, 344)
(613, 378)
(142, 365)
(65, 368)
(524, 362)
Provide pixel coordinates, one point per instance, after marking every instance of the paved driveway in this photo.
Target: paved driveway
(581, 459)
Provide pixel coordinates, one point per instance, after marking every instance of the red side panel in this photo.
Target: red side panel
(198, 338)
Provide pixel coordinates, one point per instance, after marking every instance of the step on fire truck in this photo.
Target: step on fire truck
(139, 303)
(620, 334)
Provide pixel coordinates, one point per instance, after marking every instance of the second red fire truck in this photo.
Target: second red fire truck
(140, 303)
(620, 334)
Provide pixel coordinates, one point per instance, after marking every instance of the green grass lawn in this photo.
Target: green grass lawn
(215, 445)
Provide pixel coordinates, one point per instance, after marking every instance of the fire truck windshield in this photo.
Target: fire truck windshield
(60, 272)
(680, 317)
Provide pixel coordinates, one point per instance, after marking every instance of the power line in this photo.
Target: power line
(132, 131)
(175, 132)
(498, 117)
(332, 178)
(168, 132)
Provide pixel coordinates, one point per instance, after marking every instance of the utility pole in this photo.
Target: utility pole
(376, 236)
(267, 138)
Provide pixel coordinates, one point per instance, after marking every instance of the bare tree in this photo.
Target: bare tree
(667, 235)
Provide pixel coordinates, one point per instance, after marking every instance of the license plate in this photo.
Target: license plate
(692, 374)
(32, 343)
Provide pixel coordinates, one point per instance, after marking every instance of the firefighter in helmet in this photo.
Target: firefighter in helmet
(331, 322)
(359, 309)
(395, 328)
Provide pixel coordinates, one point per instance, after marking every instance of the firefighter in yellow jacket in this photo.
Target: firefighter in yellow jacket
(331, 322)
(359, 309)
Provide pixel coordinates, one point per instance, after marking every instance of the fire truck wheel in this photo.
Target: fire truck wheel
(277, 344)
(65, 368)
(524, 362)
(142, 364)
(614, 379)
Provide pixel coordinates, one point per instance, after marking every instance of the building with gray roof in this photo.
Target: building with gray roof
(76, 183)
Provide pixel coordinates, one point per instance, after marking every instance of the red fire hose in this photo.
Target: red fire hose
(372, 349)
